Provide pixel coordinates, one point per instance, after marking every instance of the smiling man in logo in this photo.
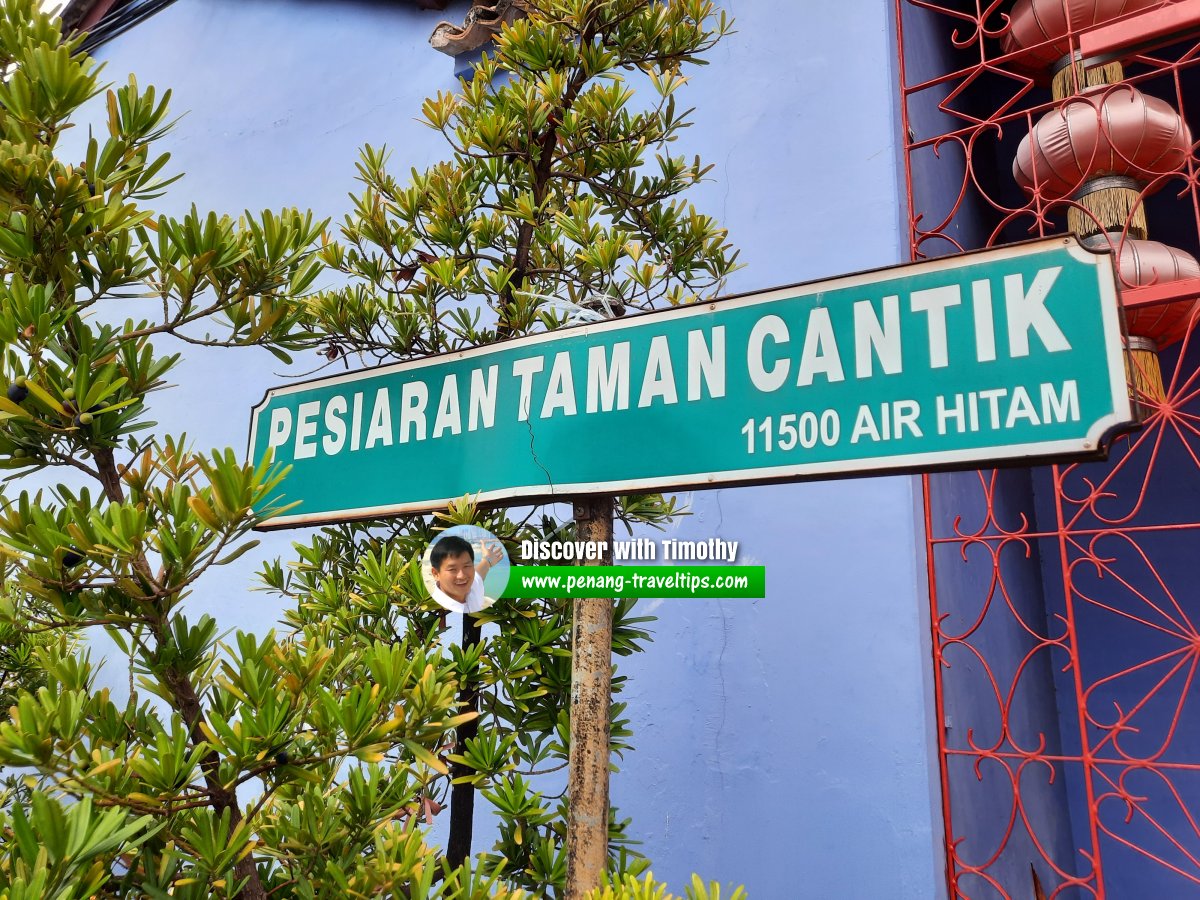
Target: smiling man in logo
(458, 579)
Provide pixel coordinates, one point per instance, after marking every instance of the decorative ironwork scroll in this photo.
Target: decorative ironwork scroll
(1066, 600)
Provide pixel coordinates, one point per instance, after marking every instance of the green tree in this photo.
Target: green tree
(159, 797)
(27, 630)
(306, 764)
(559, 201)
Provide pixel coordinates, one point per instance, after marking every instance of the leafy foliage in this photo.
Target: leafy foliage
(362, 581)
(629, 887)
(309, 763)
(560, 193)
(20, 645)
(560, 202)
(24, 637)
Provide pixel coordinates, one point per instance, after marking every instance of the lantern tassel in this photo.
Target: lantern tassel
(1143, 370)
(1073, 78)
(1108, 208)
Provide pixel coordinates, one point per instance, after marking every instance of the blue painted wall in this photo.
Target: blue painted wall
(786, 743)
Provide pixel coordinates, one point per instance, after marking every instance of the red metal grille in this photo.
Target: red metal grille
(1065, 600)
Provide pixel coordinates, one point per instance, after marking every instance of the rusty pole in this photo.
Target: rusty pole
(591, 694)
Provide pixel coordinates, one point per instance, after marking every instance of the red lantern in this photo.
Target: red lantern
(1042, 26)
(1143, 263)
(1106, 130)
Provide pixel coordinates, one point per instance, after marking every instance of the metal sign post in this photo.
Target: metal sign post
(591, 698)
(462, 796)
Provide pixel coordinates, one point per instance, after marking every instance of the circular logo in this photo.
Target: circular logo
(465, 569)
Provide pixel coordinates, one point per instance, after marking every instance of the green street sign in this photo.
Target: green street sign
(1005, 355)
